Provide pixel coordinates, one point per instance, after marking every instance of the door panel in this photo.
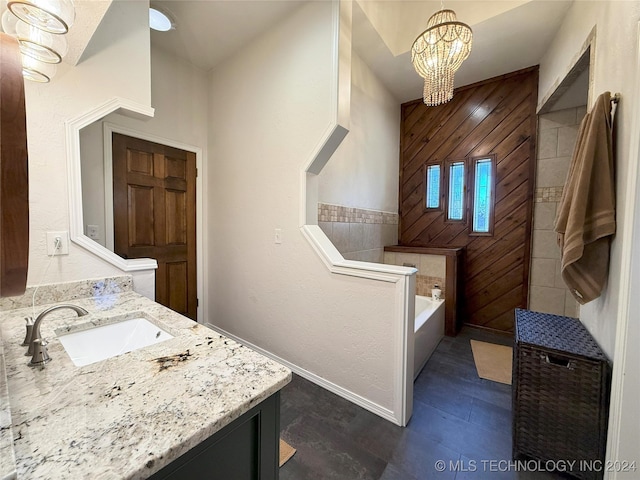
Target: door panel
(140, 162)
(176, 168)
(154, 215)
(176, 221)
(140, 216)
(178, 289)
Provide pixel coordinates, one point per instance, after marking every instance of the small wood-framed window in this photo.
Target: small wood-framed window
(456, 182)
(433, 193)
(483, 186)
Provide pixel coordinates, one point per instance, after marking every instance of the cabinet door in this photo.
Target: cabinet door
(246, 449)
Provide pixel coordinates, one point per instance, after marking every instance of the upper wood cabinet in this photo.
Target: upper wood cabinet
(14, 178)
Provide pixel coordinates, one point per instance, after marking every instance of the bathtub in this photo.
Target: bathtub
(429, 330)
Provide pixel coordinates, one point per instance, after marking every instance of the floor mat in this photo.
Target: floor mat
(286, 452)
(493, 362)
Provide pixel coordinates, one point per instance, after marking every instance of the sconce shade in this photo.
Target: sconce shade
(437, 54)
(35, 43)
(53, 16)
(39, 27)
(37, 71)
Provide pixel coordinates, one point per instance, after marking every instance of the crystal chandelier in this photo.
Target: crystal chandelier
(39, 26)
(438, 52)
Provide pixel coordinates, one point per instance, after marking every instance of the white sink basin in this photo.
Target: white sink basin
(96, 344)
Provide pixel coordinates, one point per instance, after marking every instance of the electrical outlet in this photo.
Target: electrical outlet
(58, 243)
(278, 236)
(92, 232)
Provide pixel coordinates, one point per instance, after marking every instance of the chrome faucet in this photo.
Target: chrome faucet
(37, 346)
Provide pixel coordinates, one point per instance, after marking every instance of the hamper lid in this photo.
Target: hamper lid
(556, 332)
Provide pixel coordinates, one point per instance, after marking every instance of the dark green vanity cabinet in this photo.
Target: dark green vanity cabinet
(246, 449)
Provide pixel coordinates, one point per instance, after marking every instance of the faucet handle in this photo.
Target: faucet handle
(40, 353)
(29, 331)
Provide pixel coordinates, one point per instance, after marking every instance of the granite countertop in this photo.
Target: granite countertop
(130, 415)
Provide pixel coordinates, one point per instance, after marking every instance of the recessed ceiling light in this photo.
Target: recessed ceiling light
(159, 20)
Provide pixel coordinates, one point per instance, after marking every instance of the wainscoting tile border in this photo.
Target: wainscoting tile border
(548, 194)
(340, 214)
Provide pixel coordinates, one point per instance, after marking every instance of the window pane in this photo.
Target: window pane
(482, 196)
(433, 186)
(456, 191)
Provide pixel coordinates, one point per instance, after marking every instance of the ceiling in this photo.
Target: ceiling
(508, 35)
(208, 31)
(511, 40)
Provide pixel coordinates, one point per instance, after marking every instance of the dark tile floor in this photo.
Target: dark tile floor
(457, 418)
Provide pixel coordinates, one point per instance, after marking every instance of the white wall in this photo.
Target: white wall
(363, 172)
(269, 107)
(615, 54)
(179, 93)
(93, 188)
(117, 64)
(627, 440)
(613, 68)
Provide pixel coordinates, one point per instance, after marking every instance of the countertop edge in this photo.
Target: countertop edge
(272, 378)
(7, 453)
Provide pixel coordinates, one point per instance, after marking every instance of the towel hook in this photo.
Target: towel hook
(615, 98)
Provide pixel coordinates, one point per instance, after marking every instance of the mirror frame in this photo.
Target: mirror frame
(76, 222)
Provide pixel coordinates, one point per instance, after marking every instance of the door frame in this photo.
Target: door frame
(108, 129)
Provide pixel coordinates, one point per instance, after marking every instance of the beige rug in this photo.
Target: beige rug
(286, 452)
(493, 362)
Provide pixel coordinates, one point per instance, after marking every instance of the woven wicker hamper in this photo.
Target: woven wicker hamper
(561, 386)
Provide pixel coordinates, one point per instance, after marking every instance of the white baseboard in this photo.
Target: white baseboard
(312, 377)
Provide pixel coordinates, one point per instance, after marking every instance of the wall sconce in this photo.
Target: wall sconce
(36, 70)
(53, 16)
(39, 26)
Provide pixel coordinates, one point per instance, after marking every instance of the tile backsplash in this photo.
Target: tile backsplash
(431, 269)
(357, 233)
(68, 291)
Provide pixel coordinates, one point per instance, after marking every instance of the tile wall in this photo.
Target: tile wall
(357, 233)
(431, 269)
(557, 133)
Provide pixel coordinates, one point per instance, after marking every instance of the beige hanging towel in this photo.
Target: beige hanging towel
(586, 217)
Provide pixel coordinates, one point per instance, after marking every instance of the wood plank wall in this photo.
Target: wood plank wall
(496, 116)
